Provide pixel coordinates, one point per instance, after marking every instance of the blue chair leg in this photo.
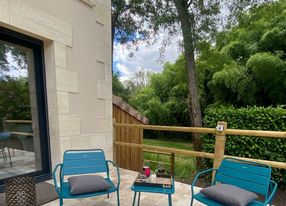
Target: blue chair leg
(139, 198)
(118, 201)
(134, 198)
(61, 201)
(170, 199)
(192, 200)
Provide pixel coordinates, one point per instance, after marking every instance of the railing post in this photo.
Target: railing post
(141, 156)
(173, 164)
(220, 139)
(114, 139)
(4, 124)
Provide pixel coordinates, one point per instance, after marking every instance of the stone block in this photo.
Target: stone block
(103, 125)
(60, 55)
(4, 11)
(39, 23)
(109, 140)
(107, 40)
(65, 144)
(55, 150)
(99, 71)
(69, 125)
(63, 102)
(101, 14)
(104, 3)
(103, 54)
(67, 80)
(52, 102)
(108, 108)
(53, 125)
(108, 73)
(90, 3)
(97, 141)
(104, 90)
(49, 54)
(100, 107)
(81, 142)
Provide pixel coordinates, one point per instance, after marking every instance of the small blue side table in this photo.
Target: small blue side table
(152, 189)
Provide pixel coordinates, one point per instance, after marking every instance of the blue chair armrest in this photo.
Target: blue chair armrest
(58, 189)
(117, 170)
(197, 177)
(273, 190)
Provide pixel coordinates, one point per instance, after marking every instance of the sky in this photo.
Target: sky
(15, 72)
(146, 57)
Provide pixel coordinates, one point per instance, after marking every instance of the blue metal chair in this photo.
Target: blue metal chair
(78, 162)
(4, 143)
(251, 176)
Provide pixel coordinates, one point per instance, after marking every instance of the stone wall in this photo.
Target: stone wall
(77, 48)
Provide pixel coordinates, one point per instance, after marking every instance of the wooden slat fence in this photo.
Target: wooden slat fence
(128, 157)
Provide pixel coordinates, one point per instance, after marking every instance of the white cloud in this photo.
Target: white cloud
(127, 61)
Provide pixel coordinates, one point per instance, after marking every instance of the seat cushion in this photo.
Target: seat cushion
(207, 201)
(87, 183)
(229, 194)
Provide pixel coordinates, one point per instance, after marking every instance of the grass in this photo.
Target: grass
(184, 165)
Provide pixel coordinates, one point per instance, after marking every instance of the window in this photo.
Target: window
(24, 139)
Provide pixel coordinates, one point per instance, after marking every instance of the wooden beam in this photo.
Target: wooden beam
(169, 128)
(165, 149)
(239, 132)
(256, 133)
(22, 133)
(19, 121)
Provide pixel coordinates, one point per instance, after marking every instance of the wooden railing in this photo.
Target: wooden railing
(220, 132)
(9, 121)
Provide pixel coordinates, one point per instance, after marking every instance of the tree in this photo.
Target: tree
(164, 99)
(137, 81)
(14, 95)
(196, 20)
(128, 18)
(246, 65)
(118, 88)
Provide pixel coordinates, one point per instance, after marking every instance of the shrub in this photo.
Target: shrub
(252, 118)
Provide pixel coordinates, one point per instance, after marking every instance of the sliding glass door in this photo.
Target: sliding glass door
(24, 142)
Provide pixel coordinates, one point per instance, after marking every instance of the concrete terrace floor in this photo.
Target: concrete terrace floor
(181, 197)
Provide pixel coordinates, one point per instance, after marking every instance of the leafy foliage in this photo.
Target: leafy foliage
(127, 21)
(246, 65)
(252, 118)
(14, 95)
(118, 88)
(164, 100)
(14, 98)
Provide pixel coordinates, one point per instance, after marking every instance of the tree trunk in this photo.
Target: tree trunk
(187, 22)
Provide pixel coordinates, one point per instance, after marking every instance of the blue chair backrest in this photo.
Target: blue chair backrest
(254, 177)
(84, 162)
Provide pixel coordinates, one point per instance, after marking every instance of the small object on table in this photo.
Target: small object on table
(161, 172)
(153, 184)
(146, 171)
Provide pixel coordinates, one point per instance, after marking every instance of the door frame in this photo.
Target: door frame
(37, 47)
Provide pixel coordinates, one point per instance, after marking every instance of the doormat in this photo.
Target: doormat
(45, 193)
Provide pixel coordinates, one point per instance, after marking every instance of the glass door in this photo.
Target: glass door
(24, 142)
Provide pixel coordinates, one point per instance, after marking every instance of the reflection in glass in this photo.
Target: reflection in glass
(19, 132)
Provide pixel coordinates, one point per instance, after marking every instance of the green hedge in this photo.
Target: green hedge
(253, 118)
